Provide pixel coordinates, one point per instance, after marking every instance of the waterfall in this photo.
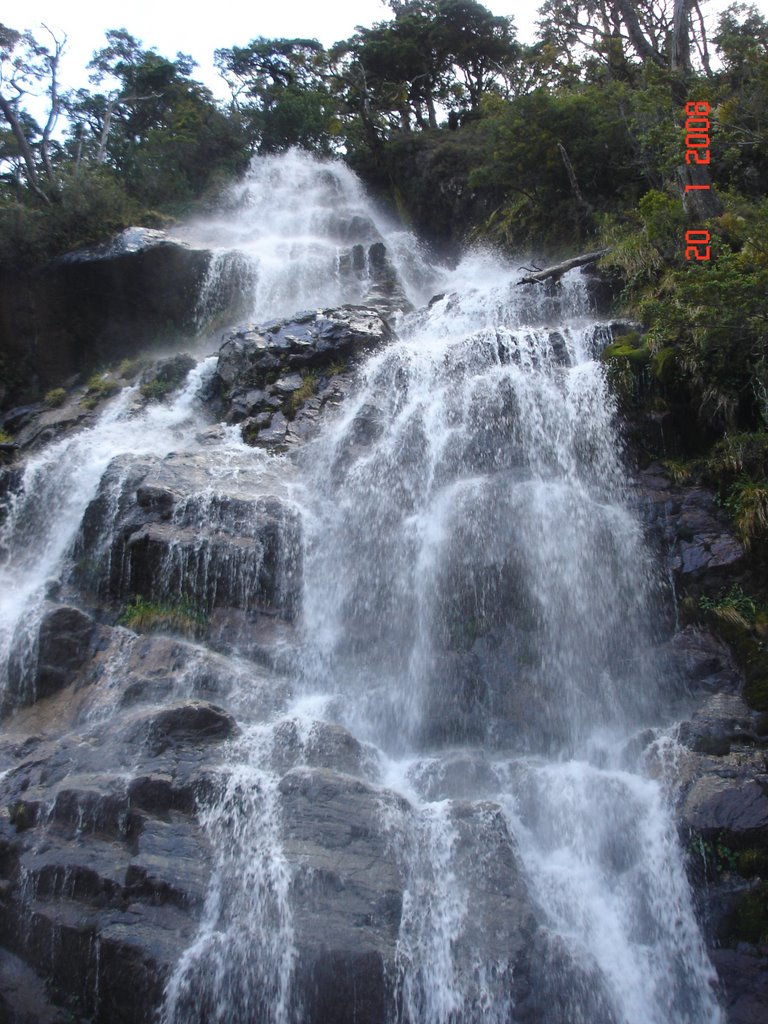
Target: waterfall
(474, 643)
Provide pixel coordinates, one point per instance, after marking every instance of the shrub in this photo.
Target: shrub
(55, 397)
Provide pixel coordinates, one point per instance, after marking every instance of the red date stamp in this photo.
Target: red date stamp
(697, 152)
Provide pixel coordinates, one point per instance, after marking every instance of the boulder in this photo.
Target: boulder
(268, 375)
(735, 806)
(66, 639)
(693, 532)
(189, 722)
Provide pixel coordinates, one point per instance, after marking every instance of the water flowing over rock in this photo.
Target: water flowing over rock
(342, 684)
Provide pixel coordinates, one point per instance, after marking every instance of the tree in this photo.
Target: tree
(280, 91)
(154, 124)
(618, 33)
(24, 65)
(479, 44)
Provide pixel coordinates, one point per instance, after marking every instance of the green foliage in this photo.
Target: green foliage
(129, 369)
(102, 384)
(21, 815)
(748, 504)
(680, 472)
(305, 390)
(753, 863)
(733, 605)
(55, 397)
(748, 921)
(91, 205)
(143, 615)
(736, 455)
(155, 390)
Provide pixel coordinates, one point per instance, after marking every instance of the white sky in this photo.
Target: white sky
(198, 29)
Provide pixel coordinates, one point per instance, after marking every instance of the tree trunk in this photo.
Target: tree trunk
(558, 269)
(24, 148)
(701, 203)
(643, 47)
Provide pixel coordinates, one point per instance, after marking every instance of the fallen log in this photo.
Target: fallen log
(559, 269)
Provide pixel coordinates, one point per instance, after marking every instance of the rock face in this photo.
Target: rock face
(274, 379)
(722, 773)
(120, 743)
(697, 543)
(98, 305)
(184, 532)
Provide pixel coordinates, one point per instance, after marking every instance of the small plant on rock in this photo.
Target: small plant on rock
(55, 397)
(143, 615)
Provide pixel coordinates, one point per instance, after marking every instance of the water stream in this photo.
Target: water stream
(478, 610)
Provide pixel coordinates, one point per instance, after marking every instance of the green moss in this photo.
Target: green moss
(626, 348)
(747, 502)
(21, 816)
(731, 622)
(737, 455)
(147, 616)
(129, 369)
(305, 390)
(251, 431)
(55, 397)
(748, 921)
(734, 600)
(753, 863)
(99, 386)
(5, 437)
(756, 689)
(679, 472)
(157, 389)
(664, 365)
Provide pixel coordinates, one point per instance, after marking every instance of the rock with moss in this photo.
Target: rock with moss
(268, 375)
(165, 377)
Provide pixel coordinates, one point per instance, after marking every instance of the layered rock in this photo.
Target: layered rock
(187, 531)
(275, 378)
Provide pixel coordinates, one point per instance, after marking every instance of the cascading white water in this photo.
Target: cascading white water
(477, 607)
(296, 233)
(58, 482)
(475, 579)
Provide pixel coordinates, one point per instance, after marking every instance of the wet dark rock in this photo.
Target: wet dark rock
(166, 376)
(349, 883)
(348, 886)
(465, 774)
(724, 720)
(332, 746)
(734, 805)
(103, 864)
(66, 641)
(24, 998)
(703, 660)
(189, 722)
(101, 304)
(179, 529)
(64, 647)
(693, 532)
(284, 364)
(744, 977)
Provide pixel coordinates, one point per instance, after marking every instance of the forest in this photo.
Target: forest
(574, 143)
